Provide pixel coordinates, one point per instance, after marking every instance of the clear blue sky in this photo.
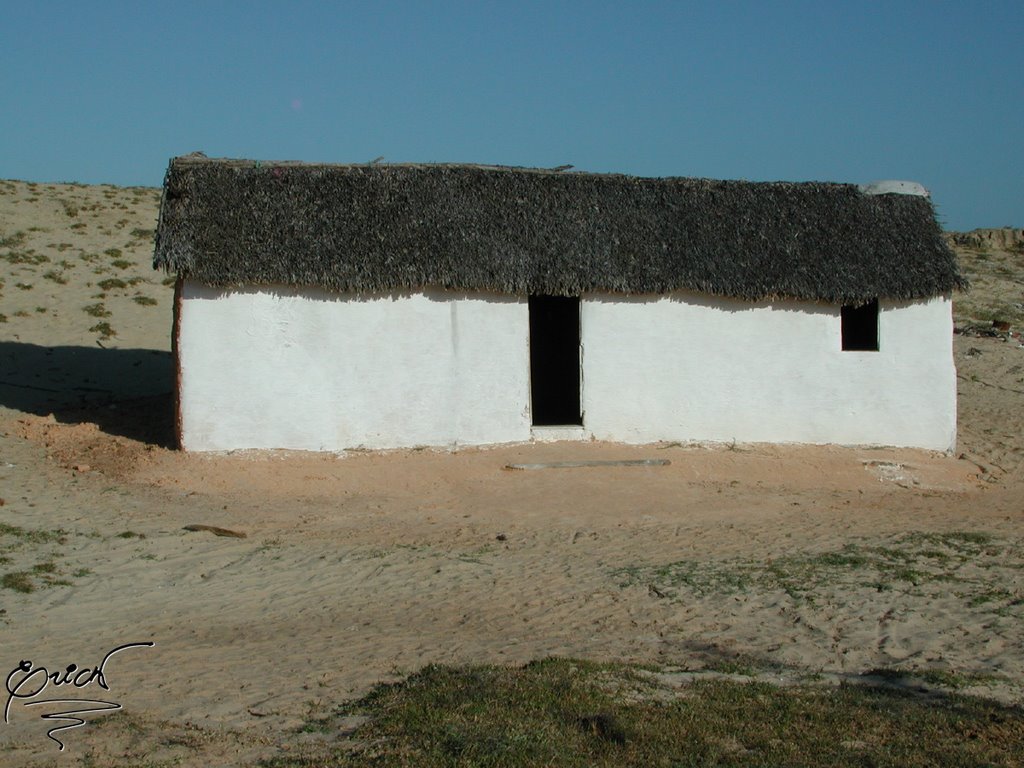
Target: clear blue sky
(835, 91)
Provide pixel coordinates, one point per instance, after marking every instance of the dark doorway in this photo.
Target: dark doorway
(555, 360)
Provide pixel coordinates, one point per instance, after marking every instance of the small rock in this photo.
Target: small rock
(81, 467)
(501, 537)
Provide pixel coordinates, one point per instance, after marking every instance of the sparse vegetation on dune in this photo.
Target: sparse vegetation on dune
(104, 330)
(96, 310)
(20, 546)
(996, 275)
(66, 240)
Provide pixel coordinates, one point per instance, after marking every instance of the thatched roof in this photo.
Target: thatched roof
(383, 228)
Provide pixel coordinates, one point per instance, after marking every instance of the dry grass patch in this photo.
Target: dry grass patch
(997, 287)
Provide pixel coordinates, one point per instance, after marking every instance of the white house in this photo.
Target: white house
(325, 307)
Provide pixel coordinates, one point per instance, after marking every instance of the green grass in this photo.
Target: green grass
(111, 283)
(96, 310)
(990, 595)
(41, 575)
(904, 562)
(950, 680)
(30, 258)
(12, 240)
(145, 301)
(104, 330)
(19, 581)
(559, 712)
(738, 664)
(16, 532)
(55, 276)
(19, 544)
(697, 576)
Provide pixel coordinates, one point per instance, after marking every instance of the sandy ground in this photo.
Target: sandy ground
(363, 567)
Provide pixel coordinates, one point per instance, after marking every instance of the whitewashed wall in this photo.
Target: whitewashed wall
(311, 370)
(690, 367)
(308, 369)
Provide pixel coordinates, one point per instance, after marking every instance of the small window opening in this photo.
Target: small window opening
(555, 360)
(860, 327)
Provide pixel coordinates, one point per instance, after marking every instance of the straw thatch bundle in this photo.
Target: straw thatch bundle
(384, 228)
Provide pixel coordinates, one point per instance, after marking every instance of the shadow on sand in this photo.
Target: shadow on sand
(125, 392)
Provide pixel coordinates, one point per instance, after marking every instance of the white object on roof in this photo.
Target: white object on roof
(891, 187)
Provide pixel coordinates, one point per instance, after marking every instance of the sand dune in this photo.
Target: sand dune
(360, 568)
